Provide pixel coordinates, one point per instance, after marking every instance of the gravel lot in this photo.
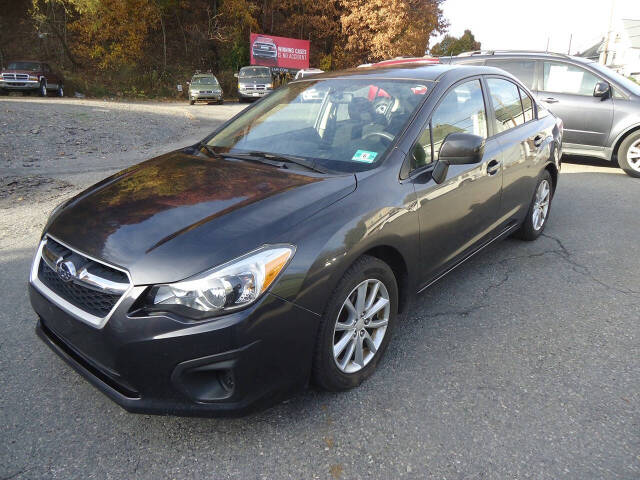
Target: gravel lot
(522, 363)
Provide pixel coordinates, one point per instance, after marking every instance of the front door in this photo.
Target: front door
(567, 91)
(463, 210)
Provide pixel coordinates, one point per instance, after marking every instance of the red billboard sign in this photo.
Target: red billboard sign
(281, 52)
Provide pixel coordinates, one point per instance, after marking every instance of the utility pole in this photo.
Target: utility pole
(548, 38)
(608, 39)
(570, 38)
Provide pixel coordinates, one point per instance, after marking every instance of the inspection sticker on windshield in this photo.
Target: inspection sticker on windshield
(364, 156)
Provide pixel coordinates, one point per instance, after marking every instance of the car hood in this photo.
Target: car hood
(181, 213)
(29, 72)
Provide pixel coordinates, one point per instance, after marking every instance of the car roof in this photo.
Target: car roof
(485, 54)
(203, 75)
(410, 71)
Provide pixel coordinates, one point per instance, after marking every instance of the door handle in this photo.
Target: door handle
(550, 100)
(538, 139)
(493, 167)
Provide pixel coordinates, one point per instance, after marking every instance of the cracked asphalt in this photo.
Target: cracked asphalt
(522, 363)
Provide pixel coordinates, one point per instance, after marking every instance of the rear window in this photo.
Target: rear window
(507, 105)
(523, 70)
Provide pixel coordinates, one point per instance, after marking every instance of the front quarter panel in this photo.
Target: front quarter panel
(380, 213)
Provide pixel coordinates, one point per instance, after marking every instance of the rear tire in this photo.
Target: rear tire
(359, 339)
(60, 91)
(192, 102)
(539, 210)
(4, 92)
(629, 154)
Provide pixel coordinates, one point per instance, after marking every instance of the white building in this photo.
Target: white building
(620, 49)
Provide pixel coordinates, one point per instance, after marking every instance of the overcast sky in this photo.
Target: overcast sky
(520, 24)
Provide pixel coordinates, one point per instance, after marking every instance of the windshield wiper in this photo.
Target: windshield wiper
(277, 160)
(277, 157)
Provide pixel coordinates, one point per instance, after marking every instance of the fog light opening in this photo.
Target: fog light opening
(225, 377)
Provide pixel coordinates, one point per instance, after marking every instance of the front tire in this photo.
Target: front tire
(629, 155)
(42, 90)
(539, 210)
(192, 102)
(60, 91)
(356, 326)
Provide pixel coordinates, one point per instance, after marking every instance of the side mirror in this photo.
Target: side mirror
(602, 90)
(457, 149)
(461, 149)
(235, 75)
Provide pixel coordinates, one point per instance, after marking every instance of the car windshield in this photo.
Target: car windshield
(340, 124)
(250, 72)
(204, 81)
(29, 66)
(620, 79)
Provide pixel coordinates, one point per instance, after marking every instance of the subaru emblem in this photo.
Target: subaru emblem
(66, 271)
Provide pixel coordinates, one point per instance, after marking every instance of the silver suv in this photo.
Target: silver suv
(599, 107)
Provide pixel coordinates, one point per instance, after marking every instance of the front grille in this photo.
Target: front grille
(15, 76)
(93, 287)
(91, 301)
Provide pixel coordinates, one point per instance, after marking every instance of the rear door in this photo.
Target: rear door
(567, 90)
(522, 142)
(463, 210)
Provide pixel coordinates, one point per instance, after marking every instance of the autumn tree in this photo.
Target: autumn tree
(450, 46)
(379, 29)
(114, 33)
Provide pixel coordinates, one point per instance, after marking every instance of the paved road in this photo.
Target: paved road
(522, 363)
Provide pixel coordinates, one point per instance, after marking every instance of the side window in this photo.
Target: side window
(505, 97)
(565, 78)
(527, 105)
(523, 70)
(461, 110)
(46, 68)
(422, 154)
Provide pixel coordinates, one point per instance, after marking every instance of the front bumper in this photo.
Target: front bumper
(19, 84)
(162, 364)
(202, 96)
(253, 93)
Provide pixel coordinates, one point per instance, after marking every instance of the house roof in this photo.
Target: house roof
(591, 52)
(632, 28)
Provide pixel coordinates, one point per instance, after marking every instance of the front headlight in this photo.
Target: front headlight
(269, 85)
(33, 78)
(231, 286)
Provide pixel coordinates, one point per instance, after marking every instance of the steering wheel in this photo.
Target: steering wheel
(382, 106)
(383, 135)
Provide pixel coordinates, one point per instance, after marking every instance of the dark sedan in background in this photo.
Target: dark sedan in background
(280, 250)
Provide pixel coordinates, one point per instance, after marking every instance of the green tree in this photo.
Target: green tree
(451, 45)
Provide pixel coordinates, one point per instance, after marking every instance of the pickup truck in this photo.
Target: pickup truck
(30, 76)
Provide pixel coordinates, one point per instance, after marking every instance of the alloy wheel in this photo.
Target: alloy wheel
(633, 156)
(361, 325)
(541, 204)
